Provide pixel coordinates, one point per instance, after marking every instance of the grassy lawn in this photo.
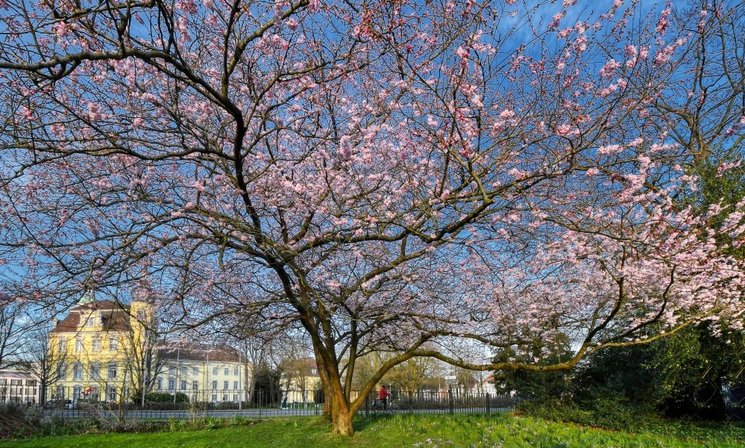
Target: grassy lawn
(403, 431)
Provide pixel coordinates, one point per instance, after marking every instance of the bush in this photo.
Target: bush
(16, 421)
(603, 412)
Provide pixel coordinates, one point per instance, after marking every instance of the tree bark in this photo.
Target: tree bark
(341, 418)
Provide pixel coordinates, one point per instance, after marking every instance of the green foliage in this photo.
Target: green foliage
(681, 375)
(604, 412)
(531, 385)
(15, 421)
(420, 431)
(622, 375)
(267, 390)
(695, 373)
(721, 187)
(25, 424)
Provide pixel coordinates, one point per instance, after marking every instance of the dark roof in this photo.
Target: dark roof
(101, 305)
(115, 317)
(197, 352)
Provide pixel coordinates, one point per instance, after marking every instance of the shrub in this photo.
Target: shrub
(16, 421)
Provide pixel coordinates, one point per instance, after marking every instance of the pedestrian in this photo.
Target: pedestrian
(383, 396)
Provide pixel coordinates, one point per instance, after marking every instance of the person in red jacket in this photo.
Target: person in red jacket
(383, 396)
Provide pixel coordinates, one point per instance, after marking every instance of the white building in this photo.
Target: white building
(204, 373)
(18, 387)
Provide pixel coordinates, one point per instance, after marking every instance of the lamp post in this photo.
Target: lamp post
(240, 388)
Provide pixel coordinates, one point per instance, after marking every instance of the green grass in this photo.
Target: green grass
(403, 431)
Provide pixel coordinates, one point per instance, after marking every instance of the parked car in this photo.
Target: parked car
(59, 404)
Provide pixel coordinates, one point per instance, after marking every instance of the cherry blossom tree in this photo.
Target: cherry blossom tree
(428, 179)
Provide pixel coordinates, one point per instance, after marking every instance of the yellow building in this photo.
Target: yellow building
(102, 344)
(300, 382)
(110, 352)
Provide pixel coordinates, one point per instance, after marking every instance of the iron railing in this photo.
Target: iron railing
(69, 403)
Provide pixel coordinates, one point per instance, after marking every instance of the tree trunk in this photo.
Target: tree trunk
(341, 419)
(339, 408)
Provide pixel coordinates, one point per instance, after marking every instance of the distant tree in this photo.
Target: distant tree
(411, 376)
(16, 324)
(539, 386)
(49, 365)
(267, 390)
(686, 374)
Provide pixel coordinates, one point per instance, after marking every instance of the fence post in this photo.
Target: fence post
(450, 399)
(488, 404)
(367, 405)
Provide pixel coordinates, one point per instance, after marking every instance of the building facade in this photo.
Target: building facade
(203, 372)
(301, 382)
(18, 387)
(99, 345)
(110, 353)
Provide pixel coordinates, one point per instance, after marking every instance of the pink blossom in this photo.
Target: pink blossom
(636, 142)
(664, 55)
(663, 21)
(188, 6)
(345, 147)
(610, 149)
(702, 20)
(609, 69)
(507, 114)
(632, 55)
(26, 113)
(566, 130)
(555, 20)
(62, 30)
(724, 167)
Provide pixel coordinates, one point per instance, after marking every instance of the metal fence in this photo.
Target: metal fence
(439, 401)
(260, 403)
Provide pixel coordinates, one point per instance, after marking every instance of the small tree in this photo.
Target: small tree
(43, 362)
(16, 325)
(411, 376)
